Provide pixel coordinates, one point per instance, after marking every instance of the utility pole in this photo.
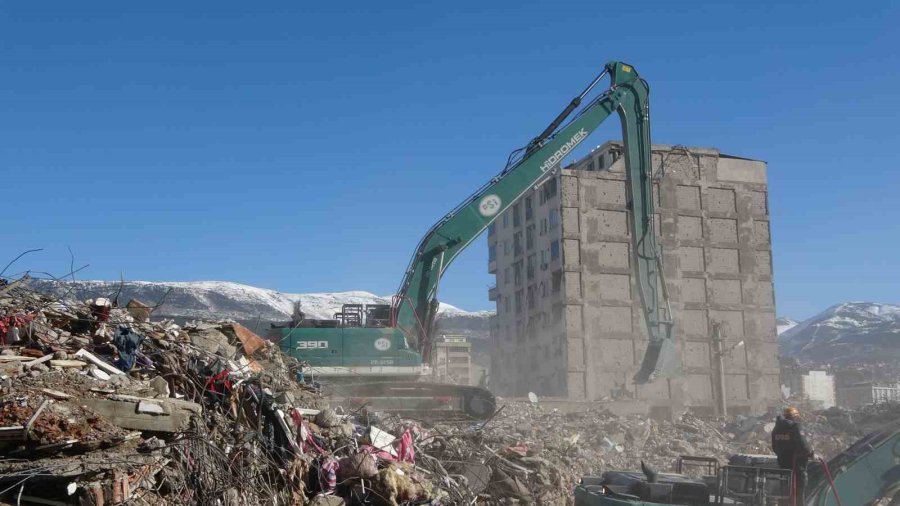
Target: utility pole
(719, 350)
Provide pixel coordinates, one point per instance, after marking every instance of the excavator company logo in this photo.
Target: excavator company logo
(489, 205)
(564, 150)
(382, 344)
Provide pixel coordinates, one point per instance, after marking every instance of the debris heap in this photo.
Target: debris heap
(101, 405)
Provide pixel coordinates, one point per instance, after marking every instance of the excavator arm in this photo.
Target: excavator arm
(416, 305)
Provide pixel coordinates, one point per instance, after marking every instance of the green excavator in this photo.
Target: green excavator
(375, 353)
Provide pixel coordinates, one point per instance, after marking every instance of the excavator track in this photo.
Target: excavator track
(416, 399)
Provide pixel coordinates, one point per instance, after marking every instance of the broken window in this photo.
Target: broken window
(517, 215)
(554, 250)
(530, 267)
(517, 273)
(520, 294)
(529, 212)
(557, 281)
(517, 243)
(529, 237)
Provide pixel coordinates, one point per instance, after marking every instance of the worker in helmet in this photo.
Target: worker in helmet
(793, 450)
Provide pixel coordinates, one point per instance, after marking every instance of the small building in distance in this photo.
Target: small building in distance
(452, 360)
(814, 388)
(863, 394)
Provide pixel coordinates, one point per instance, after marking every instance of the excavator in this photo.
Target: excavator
(376, 354)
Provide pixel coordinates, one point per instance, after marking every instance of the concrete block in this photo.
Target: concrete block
(143, 414)
(698, 389)
(610, 319)
(693, 290)
(613, 353)
(759, 203)
(608, 254)
(603, 192)
(573, 318)
(688, 197)
(689, 228)
(723, 260)
(725, 291)
(575, 354)
(569, 191)
(741, 170)
(693, 322)
(572, 285)
(656, 390)
(764, 294)
(721, 230)
(736, 358)
(575, 385)
(696, 354)
(720, 200)
(691, 259)
(571, 252)
(680, 165)
(761, 232)
(761, 324)
(570, 221)
(736, 387)
(608, 287)
(763, 262)
(602, 222)
(732, 323)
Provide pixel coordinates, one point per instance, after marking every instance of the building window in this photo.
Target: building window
(529, 237)
(543, 229)
(545, 257)
(519, 296)
(529, 212)
(517, 215)
(554, 218)
(554, 250)
(506, 306)
(530, 267)
(548, 190)
(517, 243)
(543, 289)
(505, 220)
(492, 228)
(507, 247)
(506, 276)
(492, 253)
(517, 272)
(557, 281)
(531, 297)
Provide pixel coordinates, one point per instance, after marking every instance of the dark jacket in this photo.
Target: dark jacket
(789, 441)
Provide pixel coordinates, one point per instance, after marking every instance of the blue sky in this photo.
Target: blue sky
(307, 147)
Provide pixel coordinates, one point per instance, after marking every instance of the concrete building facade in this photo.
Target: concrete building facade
(569, 321)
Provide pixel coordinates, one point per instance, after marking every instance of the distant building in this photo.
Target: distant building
(815, 387)
(862, 394)
(452, 360)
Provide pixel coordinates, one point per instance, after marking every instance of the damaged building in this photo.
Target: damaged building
(569, 321)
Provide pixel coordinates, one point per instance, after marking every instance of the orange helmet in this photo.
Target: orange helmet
(791, 413)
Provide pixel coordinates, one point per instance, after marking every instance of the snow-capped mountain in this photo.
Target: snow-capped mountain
(851, 330)
(185, 300)
(783, 324)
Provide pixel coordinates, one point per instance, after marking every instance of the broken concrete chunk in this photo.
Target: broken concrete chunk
(99, 362)
(138, 310)
(151, 408)
(209, 339)
(100, 374)
(160, 386)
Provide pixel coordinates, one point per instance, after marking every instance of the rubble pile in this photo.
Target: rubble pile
(100, 405)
